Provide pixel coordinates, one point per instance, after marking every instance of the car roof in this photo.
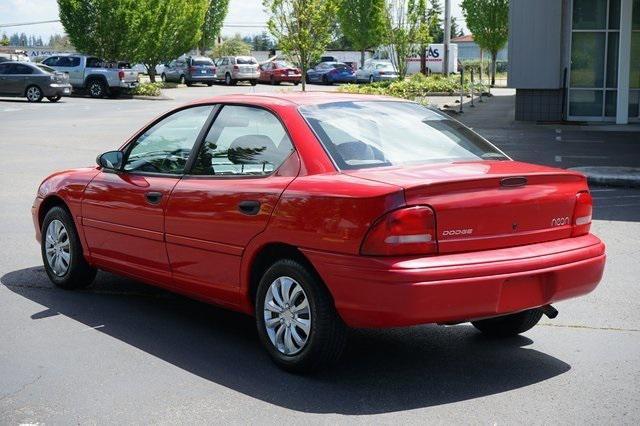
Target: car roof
(296, 98)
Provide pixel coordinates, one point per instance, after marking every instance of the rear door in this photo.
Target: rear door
(123, 212)
(243, 165)
(9, 82)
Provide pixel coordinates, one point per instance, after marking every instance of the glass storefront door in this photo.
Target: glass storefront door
(593, 76)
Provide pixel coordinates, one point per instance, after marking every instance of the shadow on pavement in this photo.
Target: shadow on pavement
(382, 371)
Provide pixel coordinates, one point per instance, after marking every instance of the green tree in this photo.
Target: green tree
(216, 12)
(302, 28)
(164, 30)
(406, 31)
(488, 21)
(422, 27)
(98, 27)
(4, 41)
(436, 30)
(363, 23)
(262, 41)
(234, 46)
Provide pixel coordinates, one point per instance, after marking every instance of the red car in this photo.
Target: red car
(317, 212)
(277, 72)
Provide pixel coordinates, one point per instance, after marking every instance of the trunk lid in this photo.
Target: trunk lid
(489, 204)
(130, 75)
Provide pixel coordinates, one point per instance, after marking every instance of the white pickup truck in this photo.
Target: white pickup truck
(98, 77)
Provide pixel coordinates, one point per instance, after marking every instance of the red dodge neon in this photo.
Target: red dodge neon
(318, 212)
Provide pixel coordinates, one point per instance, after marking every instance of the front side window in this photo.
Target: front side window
(52, 61)
(243, 141)
(165, 147)
(367, 134)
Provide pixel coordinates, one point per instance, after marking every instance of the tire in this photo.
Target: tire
(163, 77)
(327, 334)
(77, 273)
(253, 82)
(272, 81)
(509, 325)
(189, 84)
(228, 80)
(54, 98)
(325, 80)
(307, 79)
(210, 84)
(33, 94)
(97, 88)
(182, 80)
(295, 83)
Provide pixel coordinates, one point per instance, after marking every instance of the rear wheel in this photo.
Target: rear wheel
(210, 83)
(296, 319)
(34, 94)
(97, 89)
(253, 82)
(509, 325)
(62, 252)
(163, 77)
(325, 80)
(182, 79)
(54, 98)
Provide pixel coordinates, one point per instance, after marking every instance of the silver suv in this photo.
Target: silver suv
(232, 69)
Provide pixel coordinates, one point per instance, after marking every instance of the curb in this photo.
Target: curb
(611, 176)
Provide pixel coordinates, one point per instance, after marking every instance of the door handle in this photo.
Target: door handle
(153, 197)
(249, 207)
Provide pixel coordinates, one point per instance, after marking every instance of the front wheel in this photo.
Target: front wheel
(509, 325)
(62, 252)
(54, 98)
(296, 319)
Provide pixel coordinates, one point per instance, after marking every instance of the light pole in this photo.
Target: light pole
(447, 35)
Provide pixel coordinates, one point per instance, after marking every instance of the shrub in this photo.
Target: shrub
(468, 64)
(415, 87)
(147, 89)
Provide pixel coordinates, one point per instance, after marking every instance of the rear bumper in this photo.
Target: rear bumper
(245, 75)
(389, 292)
(128, 84)
(207, 78)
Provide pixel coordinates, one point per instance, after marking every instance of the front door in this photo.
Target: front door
(123, 211)
(227, 199)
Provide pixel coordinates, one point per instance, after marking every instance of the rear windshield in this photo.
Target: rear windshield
(45, 68)
(384, 67)
(284, 64)
(201, 62)
(365, 134)
(339, 66)
(246, 61)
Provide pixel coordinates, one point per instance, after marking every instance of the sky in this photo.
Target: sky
(240, 12)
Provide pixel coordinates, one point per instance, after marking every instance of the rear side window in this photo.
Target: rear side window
(92, 63)
(67, 61)
(20, 69)
(243, 141)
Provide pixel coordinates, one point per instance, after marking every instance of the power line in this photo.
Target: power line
(250, 24)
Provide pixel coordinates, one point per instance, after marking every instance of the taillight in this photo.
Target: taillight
(406, 231)
(121, 75)
(582, 214)
(236, 68)
(191, 69)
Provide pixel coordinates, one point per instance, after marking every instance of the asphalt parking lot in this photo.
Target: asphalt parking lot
(121, 352)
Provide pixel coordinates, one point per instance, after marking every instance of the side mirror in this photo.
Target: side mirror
(111, 160)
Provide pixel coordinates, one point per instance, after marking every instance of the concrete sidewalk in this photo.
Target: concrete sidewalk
(589, 148)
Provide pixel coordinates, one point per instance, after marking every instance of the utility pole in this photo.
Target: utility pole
(447, 35)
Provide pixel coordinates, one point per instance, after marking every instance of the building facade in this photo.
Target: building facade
(575, 60)
(469, 50)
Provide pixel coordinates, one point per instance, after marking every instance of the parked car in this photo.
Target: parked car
(376, 70)
(98, 77)
(33, 81)
(232, 69)
(190, 70)
(276, 72)
(318, 212)
(331, 72)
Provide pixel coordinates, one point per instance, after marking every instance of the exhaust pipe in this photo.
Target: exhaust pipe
(549, 311)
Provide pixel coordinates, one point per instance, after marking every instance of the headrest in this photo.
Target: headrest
(253, 149)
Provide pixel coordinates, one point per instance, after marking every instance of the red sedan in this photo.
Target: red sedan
(277, 72)
(319, 212)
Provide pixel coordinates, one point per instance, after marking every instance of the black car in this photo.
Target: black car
(33, 81)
